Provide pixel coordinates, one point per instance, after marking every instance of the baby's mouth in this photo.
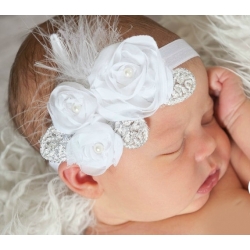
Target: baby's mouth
(209, 183)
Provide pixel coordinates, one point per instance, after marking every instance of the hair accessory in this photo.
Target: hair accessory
(184, 86)
(94, 148)
(53, 145)
(133, 133)
(128, 81)
(177, 52)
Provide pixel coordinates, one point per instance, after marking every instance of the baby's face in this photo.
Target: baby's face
(173, 173)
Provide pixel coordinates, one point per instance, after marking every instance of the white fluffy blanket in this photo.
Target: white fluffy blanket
(32, 198)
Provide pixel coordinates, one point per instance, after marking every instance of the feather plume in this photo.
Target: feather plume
(77, 44)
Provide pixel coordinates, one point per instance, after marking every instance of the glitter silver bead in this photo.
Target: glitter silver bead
(184, 86)
(53, 145)
(133, 133)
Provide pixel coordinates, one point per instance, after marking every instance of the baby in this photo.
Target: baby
(120, 108)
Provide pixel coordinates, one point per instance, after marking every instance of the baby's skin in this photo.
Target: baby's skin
(227, 209)
(232, 109)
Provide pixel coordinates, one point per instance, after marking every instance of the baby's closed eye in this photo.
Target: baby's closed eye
(176, 147)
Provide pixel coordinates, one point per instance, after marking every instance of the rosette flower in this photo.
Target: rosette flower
(71, 107)
(130, 79)
(94, 148)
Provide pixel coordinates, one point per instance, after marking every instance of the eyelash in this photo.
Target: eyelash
(178, 150)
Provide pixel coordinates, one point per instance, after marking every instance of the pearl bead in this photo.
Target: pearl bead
(98, 148)
(128, 72)
(76, 108)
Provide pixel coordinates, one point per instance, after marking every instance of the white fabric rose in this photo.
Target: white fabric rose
(71, 107)
(94, 148)
(130, 79)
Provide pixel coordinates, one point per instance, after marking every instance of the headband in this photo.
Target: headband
(128, 82)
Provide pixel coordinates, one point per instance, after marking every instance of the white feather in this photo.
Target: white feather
(76, 46)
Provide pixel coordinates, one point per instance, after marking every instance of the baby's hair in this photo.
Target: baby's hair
(26, 96)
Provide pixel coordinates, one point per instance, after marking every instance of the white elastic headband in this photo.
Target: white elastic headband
(92, 133)
(177, 52)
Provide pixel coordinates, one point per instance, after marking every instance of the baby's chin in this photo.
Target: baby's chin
(196, 205)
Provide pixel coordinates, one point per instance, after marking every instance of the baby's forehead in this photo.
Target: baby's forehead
(171, 121)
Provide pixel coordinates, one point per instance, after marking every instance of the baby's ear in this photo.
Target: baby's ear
(79, 182)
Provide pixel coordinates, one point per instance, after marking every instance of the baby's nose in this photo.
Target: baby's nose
(205, 148)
